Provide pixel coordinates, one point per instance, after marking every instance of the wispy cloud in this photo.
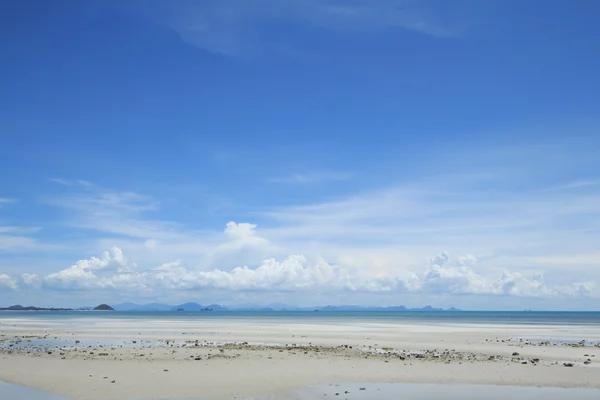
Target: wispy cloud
(576, 185)
(66, 182)
(111, 211)
(21, 230)
(233, 27)
(312, 177)
(6, 200)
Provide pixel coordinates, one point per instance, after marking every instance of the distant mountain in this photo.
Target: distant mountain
(143, 307)
(191, 306)
(19, 307)
(197, 307)
(103, 307)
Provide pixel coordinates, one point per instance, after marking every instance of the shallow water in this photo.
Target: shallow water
(372, 391)
(414, 391)
(10, 391)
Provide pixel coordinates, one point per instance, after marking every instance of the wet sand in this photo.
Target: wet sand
(220, 359)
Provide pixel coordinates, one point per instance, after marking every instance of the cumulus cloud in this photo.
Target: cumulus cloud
(29, 280)
(296, 273)
(112, 270)
(93, 273)
(293, 273)
(6, 282)
(461, 278)
(241, 244)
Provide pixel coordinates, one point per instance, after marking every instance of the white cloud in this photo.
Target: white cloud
(242, 235)
(6, 282)
(461, 278)
(29, 280)
(93, 273)
(297, 273)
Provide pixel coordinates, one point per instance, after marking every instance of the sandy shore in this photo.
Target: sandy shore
(222, 359)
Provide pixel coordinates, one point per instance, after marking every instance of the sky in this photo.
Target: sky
(300, 152)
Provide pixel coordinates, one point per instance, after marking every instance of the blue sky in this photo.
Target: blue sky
(301, 152)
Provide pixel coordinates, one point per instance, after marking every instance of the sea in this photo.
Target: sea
(424, 317)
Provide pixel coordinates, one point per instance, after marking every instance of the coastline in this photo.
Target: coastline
(218, 359)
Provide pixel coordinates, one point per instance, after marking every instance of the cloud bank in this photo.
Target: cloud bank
(113, 271)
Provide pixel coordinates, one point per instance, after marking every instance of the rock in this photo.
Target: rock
(515, 354)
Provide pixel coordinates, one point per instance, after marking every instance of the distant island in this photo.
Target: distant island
(195, 307)
(104, 307)
(18, 307)
(159, 307)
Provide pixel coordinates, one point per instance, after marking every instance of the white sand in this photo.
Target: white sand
(253, 370)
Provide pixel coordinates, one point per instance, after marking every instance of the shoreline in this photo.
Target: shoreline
(165, 359)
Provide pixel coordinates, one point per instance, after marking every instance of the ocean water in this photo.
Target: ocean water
(416, 317)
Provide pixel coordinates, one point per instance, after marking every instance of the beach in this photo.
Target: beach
(191, 356)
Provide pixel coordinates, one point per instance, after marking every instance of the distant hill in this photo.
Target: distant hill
(143, 307)
(197, 307)
(104, 307)
(19, 307)
(192, 306)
